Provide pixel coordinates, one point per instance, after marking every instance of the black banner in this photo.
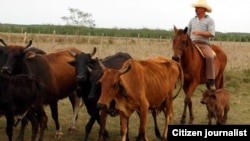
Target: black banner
(208, 132)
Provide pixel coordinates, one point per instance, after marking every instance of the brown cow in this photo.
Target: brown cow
(52, 68)
(149, 85)
(217, 103)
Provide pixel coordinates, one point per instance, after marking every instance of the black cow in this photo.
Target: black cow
(2, 62)
(88, 73)
(52, 68)
(22, 95)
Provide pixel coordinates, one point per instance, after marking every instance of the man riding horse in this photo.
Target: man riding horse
(201, 28)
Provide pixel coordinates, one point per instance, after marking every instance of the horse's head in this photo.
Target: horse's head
(180, 42)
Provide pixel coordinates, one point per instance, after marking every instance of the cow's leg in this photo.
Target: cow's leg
(219, 115)
(124, 126)
(103, 134)
(9, 126)
(157, 131)
(224, 121)
(89, 126)
(143, 122)
(168, 116)
(209, 116)
(54, 113)
(34, 124)
(43, 120)
(20, 136)
(76, 103)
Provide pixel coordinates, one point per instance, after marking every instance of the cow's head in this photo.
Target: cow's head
(14, 56)
(111, 85)
(82, 62)
(208, 96)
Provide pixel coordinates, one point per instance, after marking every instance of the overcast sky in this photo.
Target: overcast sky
(229, 15)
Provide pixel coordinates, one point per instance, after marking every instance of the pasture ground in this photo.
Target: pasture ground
(237, 81)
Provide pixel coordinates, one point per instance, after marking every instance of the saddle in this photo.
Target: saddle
(200, 51)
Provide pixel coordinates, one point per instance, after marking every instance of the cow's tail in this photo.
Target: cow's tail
(181, 78)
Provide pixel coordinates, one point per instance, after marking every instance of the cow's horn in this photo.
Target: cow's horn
(122, 71)
(29, 44)
(90, 70)
(2, 41)
(100, 63)
(72, 53)
(93, 52)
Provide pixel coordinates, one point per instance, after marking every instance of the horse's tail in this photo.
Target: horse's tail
(181, 78)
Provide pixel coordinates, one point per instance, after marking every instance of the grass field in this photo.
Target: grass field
(237, 81)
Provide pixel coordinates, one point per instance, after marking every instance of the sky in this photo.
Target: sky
(229, 15)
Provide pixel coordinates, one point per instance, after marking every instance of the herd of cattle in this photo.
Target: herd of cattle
(115, 85)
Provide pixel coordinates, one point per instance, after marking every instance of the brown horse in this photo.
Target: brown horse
(193, 64)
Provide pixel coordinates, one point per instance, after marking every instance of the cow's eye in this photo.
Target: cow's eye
(115, 85)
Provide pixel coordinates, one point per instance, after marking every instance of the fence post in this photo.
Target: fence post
(54, 36)
(89, 39)
(102, 38)
(9, 36)
(25, 37)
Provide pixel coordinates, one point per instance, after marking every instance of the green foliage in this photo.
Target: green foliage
(111, 32)
(233, 83)
(237, 79)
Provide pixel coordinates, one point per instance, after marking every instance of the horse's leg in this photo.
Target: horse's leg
(184, 113)
(219, 81)
(188, 89)
(76, 105)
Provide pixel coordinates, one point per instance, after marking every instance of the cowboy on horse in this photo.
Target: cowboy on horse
(201, 28)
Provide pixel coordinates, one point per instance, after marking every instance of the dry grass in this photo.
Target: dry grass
(238, 59)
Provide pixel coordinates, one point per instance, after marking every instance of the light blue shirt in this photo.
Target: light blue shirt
(205, 24)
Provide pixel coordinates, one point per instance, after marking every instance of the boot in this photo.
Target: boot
(211, 84)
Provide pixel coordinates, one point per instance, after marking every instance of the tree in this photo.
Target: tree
(79, 18)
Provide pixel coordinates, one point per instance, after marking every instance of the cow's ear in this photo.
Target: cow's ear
(30, 54)
(73, 63)
(122, 91)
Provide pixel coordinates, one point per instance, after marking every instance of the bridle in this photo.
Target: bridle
(181, 49)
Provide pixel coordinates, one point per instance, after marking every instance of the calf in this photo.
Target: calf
(217, 103)
(54, 71)
(22, 95)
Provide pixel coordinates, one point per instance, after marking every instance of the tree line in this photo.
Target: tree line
(112, 32)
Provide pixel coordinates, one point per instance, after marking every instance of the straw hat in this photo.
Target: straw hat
(202, 3)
